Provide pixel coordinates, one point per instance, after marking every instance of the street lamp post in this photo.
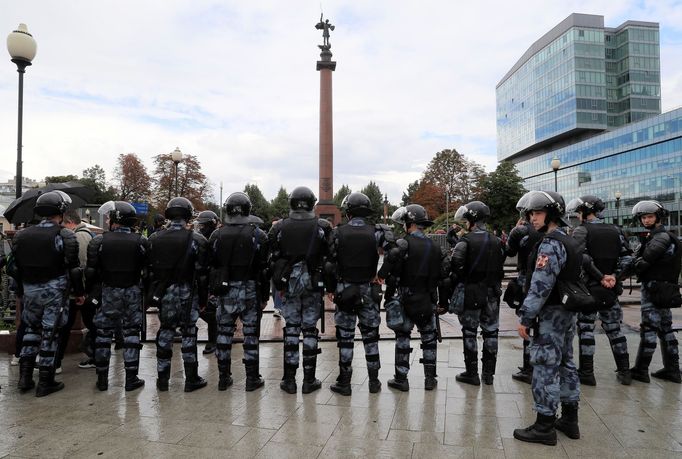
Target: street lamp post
(176, 156)
(87, 216)
(618, 195)
(22, 48)
(556, 164)
(447, 210)
(385, 208)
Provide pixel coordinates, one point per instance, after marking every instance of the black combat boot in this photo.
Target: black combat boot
(470, 376)
(640, 371)
(623, 368)
(162, 380)
(489, 362)
(288, 383)
(671, 365)
(525, 374)
(399, 382)
(586, 370)
(253, 378)
(310, 383)
(568, 422)
(192, 379)
(430, 381)
(374, 383)
(342, 384)
(26, 366)
(46, 383)
(102, 380)
(132, 381)
(542, 431)
(224, 375)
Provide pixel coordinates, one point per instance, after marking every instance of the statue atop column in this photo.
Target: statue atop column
(325, 26)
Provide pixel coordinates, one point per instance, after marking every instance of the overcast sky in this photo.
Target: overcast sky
(234, 83)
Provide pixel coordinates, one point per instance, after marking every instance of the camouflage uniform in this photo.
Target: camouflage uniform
(240, 302)
(179, 308)
(555, 377)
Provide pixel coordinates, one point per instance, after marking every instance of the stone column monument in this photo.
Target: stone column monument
(326, 207)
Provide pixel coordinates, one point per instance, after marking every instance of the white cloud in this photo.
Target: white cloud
(235, 83)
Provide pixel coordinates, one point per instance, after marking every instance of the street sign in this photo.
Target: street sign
(141, 207)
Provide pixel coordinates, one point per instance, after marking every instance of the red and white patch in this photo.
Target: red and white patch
(542, 261)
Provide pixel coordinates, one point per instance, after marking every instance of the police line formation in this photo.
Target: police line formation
(563, 281)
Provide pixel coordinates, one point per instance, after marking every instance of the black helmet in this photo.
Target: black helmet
(412, 213)
(52, 203)
(120, 212)
(238, 204)
(302, 198)
(473, 212)
(207, 217)
(649, 207)
(179, 208)
(585, 205)
(356, 204)
(548, 201)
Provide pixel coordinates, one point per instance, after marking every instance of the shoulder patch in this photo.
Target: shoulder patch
(541, 261)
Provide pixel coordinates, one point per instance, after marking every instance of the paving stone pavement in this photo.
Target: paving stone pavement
(456, 420)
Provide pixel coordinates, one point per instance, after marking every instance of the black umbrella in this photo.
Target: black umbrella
(21, 209)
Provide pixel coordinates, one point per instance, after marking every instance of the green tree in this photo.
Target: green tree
(279, 207)
(191, 182)
(342, 193)
(60, 178)
(376, 198)
(501, 191)
(259, 205)
(458, 177)
(95, 178)
(408, 195)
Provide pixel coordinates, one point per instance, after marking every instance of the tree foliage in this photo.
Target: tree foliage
(191, 183)
(259, 205)
(94, 178)
(279, 206)
(458, 177)
(502, 190)
(408, 195)
(431, 197)
(376, 198)
(342, 193)
(131, 179)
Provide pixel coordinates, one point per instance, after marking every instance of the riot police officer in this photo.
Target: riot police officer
(206, 223)
(555, 379)
(299, 244)
(116, 259)
(477, 261)
(606, 246)
(239, 255)
(521, 241)
(413, 270)
(178, 268)
(354, 288)
(658, 268)
(45, 266)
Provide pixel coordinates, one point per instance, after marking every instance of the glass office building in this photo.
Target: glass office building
(590, 97)
(577, 80)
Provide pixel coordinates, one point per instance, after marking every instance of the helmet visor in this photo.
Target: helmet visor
(399, 215)
(107, 207)
(460, 215)
(572, 206)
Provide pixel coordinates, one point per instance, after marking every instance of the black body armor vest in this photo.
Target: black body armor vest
(484, 253)
(603, 245)
(421, 271)
(299, 239)
(570, 271)
(37, 256)
(169, 248)
(666, 268)
(357, 253)
(526, 249)
(120, 259)
(236, 250)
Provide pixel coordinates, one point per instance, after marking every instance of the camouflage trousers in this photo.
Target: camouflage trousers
(45, 311)
(656, 322)
(488, 318)
(121, 308)
(179, 308)
(526, 343)
(240, 302)
(555, 378)
(301, 311)
(429, 344)
(610, 322)
(367, 315)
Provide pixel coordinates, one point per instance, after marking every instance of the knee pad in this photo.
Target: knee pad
(292, 330)
(310, 332)
(469, 332)
(489, 334)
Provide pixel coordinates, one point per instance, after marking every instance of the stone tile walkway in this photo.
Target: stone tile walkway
(642, 420)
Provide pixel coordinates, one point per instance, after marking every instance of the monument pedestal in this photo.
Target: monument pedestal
(328, 210)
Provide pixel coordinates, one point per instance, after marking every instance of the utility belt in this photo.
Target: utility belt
(351, 299)
(220, 278)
